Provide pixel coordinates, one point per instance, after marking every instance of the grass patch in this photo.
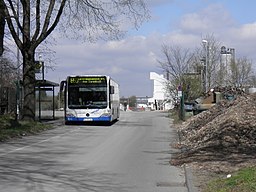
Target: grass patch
(174, 114)
(9, 128)
(242, 181)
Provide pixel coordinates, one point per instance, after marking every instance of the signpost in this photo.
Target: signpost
(181, 96)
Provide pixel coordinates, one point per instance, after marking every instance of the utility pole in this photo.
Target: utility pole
(18, 95)
(206, 46)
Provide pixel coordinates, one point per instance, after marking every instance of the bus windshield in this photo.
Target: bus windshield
(84, 95)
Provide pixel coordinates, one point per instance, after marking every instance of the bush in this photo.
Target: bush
(10, 128)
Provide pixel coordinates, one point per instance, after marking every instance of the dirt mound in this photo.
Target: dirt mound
(226, 132)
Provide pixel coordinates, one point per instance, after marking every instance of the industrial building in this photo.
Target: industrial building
(161, 100)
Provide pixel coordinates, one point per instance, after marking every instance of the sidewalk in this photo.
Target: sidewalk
(189, 177)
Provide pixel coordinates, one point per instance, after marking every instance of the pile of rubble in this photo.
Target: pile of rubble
(227, 131)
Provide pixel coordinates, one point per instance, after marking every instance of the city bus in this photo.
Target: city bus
(90, 98)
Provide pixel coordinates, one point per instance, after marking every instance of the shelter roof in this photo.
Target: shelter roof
(46, 83)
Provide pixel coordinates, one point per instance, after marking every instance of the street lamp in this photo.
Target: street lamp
(205, 43)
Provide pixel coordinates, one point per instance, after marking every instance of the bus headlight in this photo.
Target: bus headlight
(106, 113)
(70, 114)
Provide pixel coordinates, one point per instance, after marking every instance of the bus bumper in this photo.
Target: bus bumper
(86, 119)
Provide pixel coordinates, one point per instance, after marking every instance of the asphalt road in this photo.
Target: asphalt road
(132, 155)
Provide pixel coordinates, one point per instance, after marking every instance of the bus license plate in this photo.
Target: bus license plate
(87, 119)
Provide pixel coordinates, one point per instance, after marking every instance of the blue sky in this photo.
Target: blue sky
(174, 22)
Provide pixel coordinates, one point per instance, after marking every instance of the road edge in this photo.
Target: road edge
(189, 179)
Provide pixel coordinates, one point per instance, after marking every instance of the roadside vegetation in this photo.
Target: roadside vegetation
(10, 128)
(174, 115)
(242, 181)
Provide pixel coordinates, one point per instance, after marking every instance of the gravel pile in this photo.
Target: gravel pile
(227, 131)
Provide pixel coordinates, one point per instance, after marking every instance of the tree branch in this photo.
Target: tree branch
(46, 31)
(37, 31)
(11, 26)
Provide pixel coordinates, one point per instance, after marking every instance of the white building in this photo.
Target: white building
(160, 99)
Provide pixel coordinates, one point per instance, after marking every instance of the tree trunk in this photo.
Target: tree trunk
(28, 112)
(2, 26)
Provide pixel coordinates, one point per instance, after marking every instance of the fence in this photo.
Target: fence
(7, 100)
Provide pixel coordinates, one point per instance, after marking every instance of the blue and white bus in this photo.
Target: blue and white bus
(90, 98)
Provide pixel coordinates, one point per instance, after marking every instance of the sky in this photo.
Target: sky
(173, 22)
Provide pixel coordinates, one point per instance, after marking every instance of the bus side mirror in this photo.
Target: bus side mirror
(62, 85)
(112, 89)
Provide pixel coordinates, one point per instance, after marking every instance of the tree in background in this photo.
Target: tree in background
(238, 72)
(253, 79)
(132, 101)
(210, 55)
(7, 72)
(241, 72)
(178, 64)
(201, 69)
(37, 19)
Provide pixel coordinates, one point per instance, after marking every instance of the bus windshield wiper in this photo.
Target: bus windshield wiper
(75, 106)
(91, 106)
(88, 106)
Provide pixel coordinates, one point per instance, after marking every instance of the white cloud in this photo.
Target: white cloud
(245, 32)
(212, 18)
(130, 60)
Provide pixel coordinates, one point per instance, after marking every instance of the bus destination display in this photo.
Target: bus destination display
(87, 80)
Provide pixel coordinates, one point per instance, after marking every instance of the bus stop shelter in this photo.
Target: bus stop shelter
(45, 99)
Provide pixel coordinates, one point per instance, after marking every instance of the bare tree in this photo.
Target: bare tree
(178, 64)
(232, 71)
(211, 56)
(7, 72)
(253, 79)
(37, 19)
(241, 72)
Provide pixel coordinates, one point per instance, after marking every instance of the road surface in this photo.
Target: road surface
(132, 155)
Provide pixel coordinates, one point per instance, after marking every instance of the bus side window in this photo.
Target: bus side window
(112, 89)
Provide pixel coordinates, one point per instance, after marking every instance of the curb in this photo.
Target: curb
(55, 122)
(188, 173)
(189, 179)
